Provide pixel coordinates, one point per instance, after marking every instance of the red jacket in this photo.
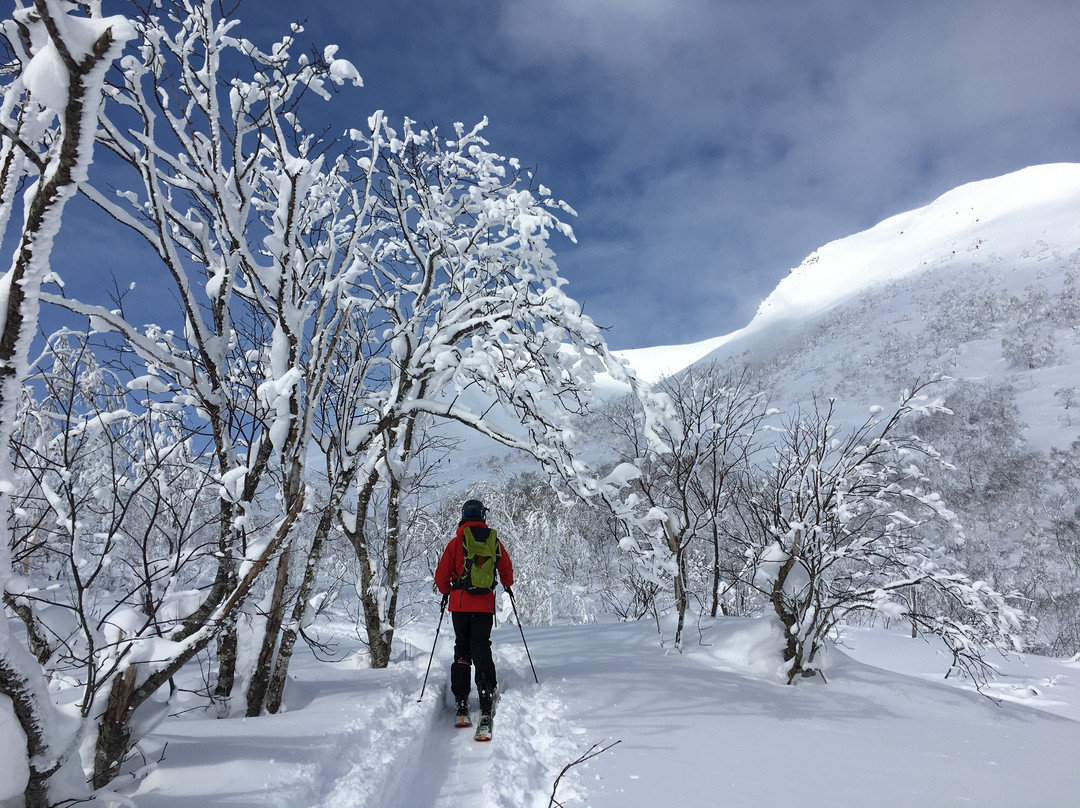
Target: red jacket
(452, 566)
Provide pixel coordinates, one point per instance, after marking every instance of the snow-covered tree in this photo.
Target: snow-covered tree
(251, 222)
(465, 318)
(113, 529)
(840, 523)
(686, 484)
(47, 123)
(1017, 505)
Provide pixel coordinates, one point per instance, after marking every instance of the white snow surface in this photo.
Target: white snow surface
(713, 725)
(653, 364)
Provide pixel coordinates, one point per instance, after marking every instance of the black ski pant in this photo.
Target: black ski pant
(472, 647)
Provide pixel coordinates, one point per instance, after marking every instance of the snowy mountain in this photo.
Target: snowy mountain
(888, 294)
(980, 288)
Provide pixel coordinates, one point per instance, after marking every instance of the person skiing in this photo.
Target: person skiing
(467, 573)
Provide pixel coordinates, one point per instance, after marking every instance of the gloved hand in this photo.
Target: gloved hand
(509, 591)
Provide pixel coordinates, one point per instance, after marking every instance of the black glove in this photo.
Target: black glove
(445, 600)
(509, 591)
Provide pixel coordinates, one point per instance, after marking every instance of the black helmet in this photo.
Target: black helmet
(473, 509)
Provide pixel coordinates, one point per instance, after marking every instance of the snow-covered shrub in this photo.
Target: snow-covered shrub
(837, 522)
(686, 482)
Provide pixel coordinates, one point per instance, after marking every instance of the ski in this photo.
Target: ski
(483, 728)
(485, 725)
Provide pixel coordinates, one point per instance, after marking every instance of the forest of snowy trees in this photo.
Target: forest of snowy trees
(182, 499)
(173, 487)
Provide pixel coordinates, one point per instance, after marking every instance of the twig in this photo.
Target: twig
(589, 755)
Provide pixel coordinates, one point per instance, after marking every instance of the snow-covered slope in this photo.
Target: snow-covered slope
(1000, 235)
(1000, 220)
(710, 726)
(653, 364)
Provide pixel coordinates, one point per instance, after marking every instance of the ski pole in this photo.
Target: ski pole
(513, 603)
(438, 628)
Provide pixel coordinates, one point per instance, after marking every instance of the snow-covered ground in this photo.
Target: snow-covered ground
(710, 726)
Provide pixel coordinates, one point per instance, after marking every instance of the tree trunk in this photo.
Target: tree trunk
(227, 647)
(68, 161)
(225, 581)
(275, 616)
(379, 641)
(680, 604)
(114, 731)
(39, 645)
(787, 619)
(714, 607)
(914, 613)
(276, 689)
(27, 705)
(228, 642)
(378, 647)
(675, 546)
(231, 541)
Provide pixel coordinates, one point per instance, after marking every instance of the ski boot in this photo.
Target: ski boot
(485, 726)
(462, 718)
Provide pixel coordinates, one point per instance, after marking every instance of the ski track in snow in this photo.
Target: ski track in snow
(373, 756)
(449, 769)
(410, 753)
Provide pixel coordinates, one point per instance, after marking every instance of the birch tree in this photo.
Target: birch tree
(112, 516)
(197, 210)
(47, 123)
(686, 485)
(251, 228)
(465, 321)
(842, 523)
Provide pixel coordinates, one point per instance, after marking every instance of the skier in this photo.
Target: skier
(466, 572)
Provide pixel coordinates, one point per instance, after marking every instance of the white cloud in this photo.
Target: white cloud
(721, 136)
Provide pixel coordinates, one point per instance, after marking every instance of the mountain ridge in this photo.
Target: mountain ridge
(1003, 218)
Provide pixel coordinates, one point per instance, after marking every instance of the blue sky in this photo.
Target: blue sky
(710, 146)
